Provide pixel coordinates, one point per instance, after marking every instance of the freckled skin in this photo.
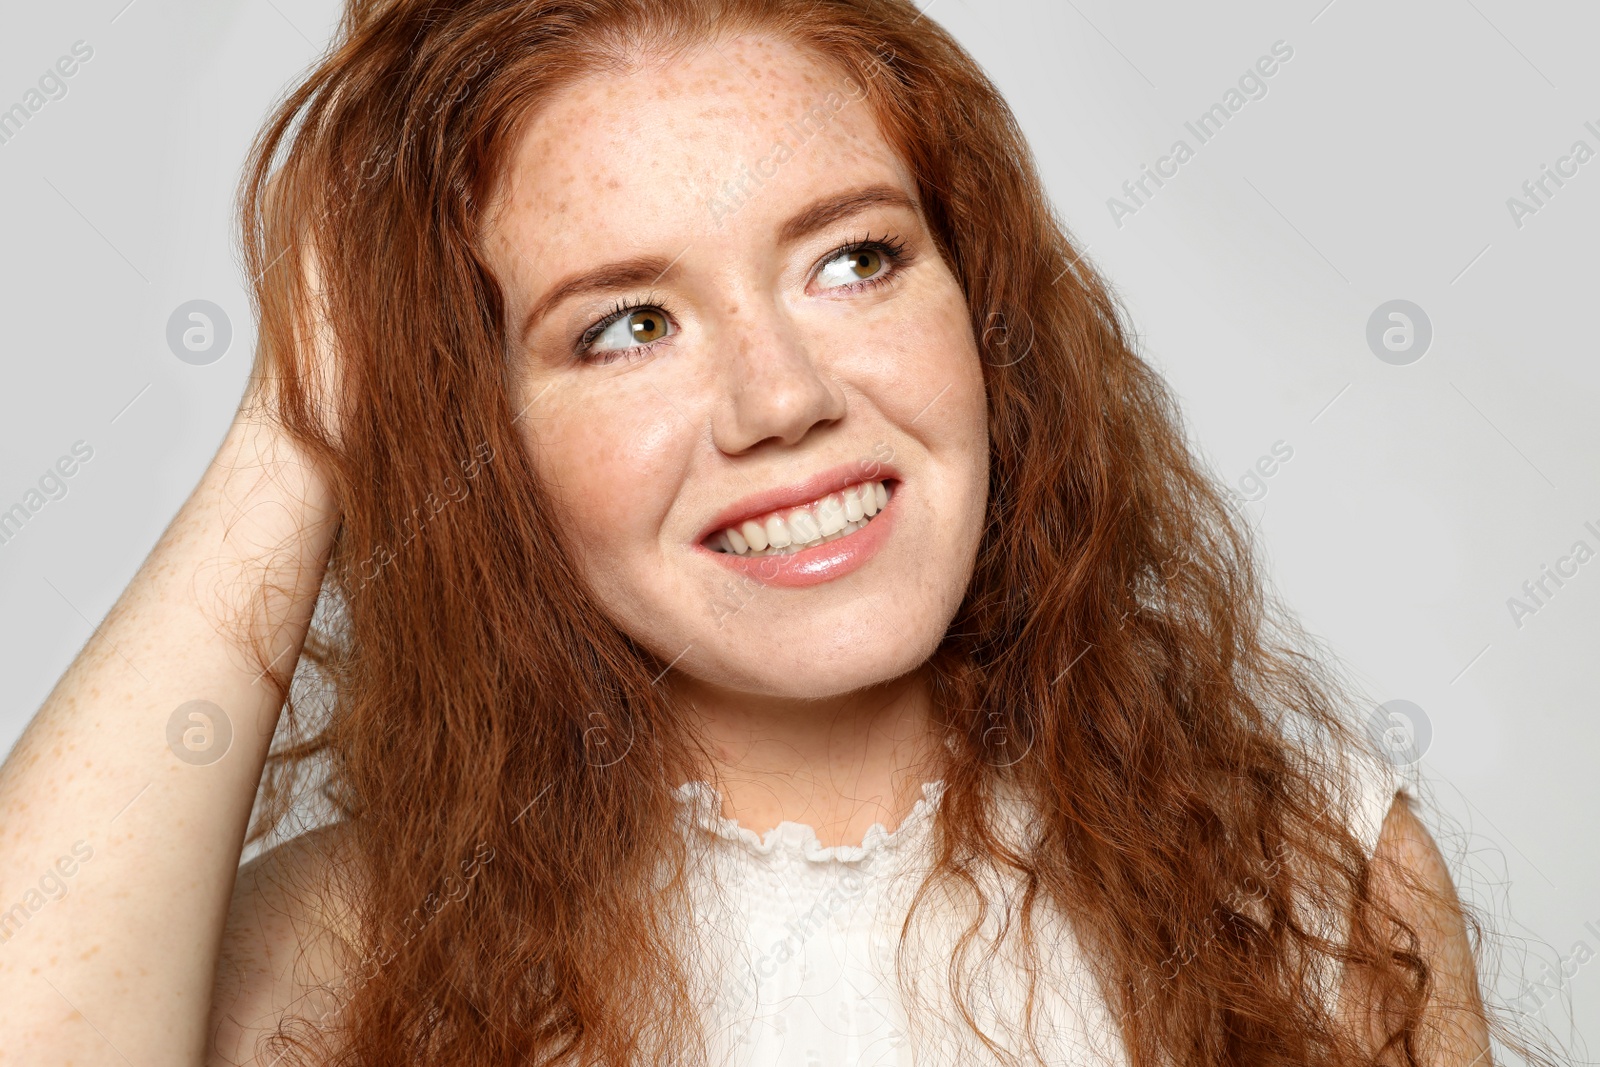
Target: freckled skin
(767, 380)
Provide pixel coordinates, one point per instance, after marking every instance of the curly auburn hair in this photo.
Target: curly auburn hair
(1116, 658)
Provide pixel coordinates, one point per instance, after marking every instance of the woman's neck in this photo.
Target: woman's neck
(838, 764)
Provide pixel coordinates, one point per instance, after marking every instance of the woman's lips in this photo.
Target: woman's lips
(801, 493)
(787, 530)
(821, 562)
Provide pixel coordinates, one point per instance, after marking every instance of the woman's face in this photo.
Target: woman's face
(735, 339)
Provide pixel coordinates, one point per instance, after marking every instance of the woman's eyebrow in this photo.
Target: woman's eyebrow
(647, 270)
(830, 209)
(624, 274)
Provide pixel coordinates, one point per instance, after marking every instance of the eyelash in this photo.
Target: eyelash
(890, 247)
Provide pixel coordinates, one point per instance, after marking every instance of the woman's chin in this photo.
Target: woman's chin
(806, 670)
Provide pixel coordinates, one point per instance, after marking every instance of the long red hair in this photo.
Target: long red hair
(503, 760)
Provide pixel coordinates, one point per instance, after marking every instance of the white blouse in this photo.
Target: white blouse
(798, 940)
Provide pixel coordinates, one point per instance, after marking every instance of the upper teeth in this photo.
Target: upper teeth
(791, 529)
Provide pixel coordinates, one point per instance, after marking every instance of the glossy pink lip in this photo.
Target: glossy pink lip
(789, 496)
(819, 563)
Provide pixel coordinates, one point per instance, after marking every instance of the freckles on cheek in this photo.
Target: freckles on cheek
(617, 469)
(925, 370)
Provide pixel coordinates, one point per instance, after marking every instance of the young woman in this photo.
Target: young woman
(770, 613)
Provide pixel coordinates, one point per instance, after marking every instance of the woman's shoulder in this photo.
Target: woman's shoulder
(289, 937)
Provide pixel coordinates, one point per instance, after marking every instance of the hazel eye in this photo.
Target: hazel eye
(637, 327)
(854, 265)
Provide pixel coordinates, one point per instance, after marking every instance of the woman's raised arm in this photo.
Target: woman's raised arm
(125, 802)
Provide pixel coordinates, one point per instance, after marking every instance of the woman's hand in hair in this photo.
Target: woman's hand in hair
(299, 382)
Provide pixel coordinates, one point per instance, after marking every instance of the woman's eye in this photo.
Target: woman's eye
(637, 327)
(856, 265)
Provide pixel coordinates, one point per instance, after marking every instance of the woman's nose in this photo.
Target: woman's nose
(774, 381)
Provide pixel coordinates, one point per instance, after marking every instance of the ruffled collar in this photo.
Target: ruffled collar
(798, 840)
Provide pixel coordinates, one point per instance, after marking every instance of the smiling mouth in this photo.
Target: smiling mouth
(789, 530)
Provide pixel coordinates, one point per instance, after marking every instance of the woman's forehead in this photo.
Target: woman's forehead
(675, 144)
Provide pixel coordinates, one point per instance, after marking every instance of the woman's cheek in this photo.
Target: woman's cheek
(612, 457)
(923, 368)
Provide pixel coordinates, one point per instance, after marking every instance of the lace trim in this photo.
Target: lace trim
(798, 839)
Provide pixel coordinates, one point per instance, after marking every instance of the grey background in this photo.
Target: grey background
(1377, 167)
